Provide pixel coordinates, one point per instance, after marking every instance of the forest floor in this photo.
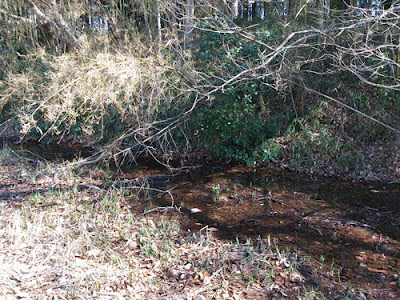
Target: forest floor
(86, 237)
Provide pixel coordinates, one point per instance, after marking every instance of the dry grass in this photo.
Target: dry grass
(91, 94)
(69, 251)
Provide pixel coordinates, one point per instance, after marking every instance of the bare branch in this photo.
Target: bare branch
(57, 24)
(353, 109)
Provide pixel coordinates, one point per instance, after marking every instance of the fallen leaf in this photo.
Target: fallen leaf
(376, 270)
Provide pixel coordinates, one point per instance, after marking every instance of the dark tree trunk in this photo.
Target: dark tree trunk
(246, 10)
(338, 4)
(254, 10)
(291, 9)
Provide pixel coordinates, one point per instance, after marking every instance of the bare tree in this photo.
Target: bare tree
(47, 11)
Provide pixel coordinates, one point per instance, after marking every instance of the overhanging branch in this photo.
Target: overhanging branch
(352, 109)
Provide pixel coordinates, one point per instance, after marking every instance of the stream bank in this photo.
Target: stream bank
(348, 227)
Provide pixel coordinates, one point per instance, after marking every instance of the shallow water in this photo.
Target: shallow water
(54, 152)
(352, 226)
(348, 225)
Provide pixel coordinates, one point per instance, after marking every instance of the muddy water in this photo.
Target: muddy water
(348, 225)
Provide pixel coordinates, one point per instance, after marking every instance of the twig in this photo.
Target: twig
(353, 109)
(274, 199)
(5, 128)
(316, 229)
(161, 207)
(361, 225)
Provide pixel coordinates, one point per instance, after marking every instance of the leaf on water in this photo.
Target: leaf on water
(195, 210)
(376, 270)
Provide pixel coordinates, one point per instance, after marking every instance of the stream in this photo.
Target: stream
(351, 226)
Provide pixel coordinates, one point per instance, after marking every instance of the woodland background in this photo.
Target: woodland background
(310, 85)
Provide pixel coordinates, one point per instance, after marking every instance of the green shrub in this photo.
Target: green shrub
(236, 123)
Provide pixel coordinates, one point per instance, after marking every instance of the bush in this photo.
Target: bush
(237, 122)
(87, 96)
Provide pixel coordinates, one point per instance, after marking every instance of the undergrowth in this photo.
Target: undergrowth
(127, 97)
(93, 96)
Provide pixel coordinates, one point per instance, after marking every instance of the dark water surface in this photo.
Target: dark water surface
(350, 225)
(54, 152)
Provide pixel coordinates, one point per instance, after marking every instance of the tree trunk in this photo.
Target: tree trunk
(146, 20)
(235, 9)
(158, 21)
(254, 10)
(173, 20)
(267, 11)
(57, 24)
(189, 22)
(291, 10)
(246, 10)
